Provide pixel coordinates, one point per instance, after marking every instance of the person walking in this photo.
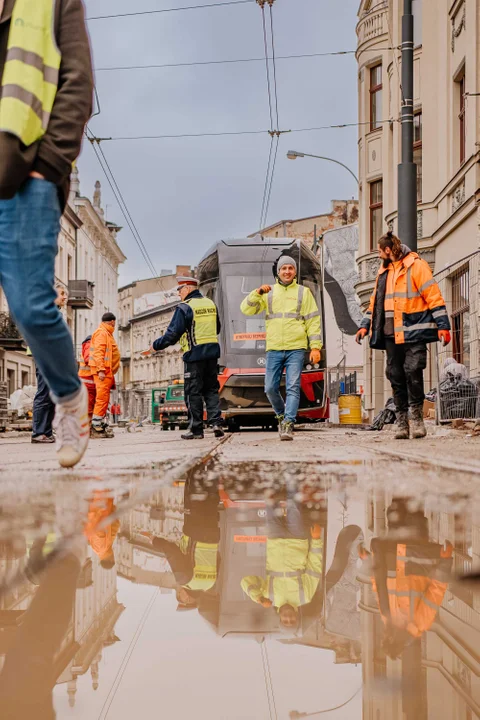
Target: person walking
(86, 376)
(43, 405)
(406, 312)
(45, 100)
(293, 325)
(104, 363)
(195, 324)
(116, 412)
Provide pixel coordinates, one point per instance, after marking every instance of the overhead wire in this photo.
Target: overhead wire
(274, 66)
(168, 10)
(120, 200)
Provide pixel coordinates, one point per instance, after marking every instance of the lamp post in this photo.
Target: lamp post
(294, 154)
(407, 170)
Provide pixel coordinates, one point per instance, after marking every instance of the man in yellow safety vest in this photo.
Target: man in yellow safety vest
(45, 101)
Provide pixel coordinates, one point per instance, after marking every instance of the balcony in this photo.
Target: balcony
(10, 338)
(80, 294)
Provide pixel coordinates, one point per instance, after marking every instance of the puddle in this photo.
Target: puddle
(243, 590)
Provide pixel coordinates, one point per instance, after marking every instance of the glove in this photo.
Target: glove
(315, 356)
(360, 335)
(316, 532)
(265, 602)
(264, 289)
(444, 336)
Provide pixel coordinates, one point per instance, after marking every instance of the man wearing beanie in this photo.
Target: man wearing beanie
(293, 326)
(104, 363)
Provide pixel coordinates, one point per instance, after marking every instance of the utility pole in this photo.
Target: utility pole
(407, 170)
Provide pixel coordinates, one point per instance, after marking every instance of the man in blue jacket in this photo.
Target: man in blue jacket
(195, 324)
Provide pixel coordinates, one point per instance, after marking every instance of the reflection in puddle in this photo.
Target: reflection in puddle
(241, 591)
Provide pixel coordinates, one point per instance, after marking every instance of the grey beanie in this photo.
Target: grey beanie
(286, 260)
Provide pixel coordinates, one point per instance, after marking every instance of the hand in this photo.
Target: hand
(316, 532)
(101, 375)
(315, 356)
(264, 289)
(265, 602)
(444, 337)
(37, 175)
(360, 335)
(148, 352)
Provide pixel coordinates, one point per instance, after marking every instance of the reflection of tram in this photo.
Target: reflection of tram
(227, 273)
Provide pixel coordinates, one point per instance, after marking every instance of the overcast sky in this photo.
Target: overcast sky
(185, 193)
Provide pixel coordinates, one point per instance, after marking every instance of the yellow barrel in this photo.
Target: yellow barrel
(350, 409)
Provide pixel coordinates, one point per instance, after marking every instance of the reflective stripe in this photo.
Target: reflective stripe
(253, 587)
(316, 551)
(270, 303)
(389, 314)
(312, 315)
(411, 293)
(439, 313)
(391, 296)
(301, 591)
(274, 316)
(417, 561)
(314, 574)
(426, 285)
(50, 74)
(314, 337)
(294, 316)
(270, 588)
(301, 292)
(289, 574)
(413, 594)
(253, 304)
(419, 326)
(18, 93)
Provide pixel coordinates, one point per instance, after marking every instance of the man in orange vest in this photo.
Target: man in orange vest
(104, 362)
(406, 312)
(99, 532)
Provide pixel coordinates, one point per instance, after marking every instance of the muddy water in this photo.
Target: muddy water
(242, 590)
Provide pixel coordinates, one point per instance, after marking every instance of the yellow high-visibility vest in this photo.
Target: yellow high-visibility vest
(204, 325)
(205, 564)
(31, 72)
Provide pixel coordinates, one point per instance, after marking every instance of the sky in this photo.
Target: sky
(185, 193)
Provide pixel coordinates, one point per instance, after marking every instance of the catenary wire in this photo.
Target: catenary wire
(272, 175)
(274, 67)
(174, 9)
(125, 214)
(234, 60)
(267, 176)
(267, 68)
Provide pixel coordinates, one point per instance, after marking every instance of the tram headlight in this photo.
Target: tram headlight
(316, 366)
(308, 367)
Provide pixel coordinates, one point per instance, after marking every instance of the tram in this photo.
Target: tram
(227, 273)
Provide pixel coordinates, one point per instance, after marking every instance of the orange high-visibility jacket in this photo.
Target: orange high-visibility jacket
(413, 299)
(415, 578)
(101, 539)
(104, 353)
(85, 370)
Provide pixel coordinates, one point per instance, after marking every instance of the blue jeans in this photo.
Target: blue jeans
(292, 361)
(43, 410)
(29, 227)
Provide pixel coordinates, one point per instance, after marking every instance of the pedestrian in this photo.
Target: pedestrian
(104, 363)
(293, 325)
(116, 412)
(195, 324)
(46, 99)
(99, 531)
(406, 312)
(86, 376)
(43, 405)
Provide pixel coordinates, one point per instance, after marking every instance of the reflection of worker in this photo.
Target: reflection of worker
(294, 563)
(86, 376)
(293, 326)
(99, 532)
(194, 561)
(104, 363)
(195, 324)
(410, 577)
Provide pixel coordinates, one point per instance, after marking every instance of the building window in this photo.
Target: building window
(417, 152)
(460, 83)
(25, 378)
(376, 213)
(376, 92)
(461, 316)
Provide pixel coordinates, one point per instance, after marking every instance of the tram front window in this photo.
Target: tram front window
(245, 333)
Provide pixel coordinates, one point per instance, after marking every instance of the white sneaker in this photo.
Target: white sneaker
(72, 426)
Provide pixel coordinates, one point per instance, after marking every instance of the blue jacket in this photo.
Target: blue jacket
(181, 322)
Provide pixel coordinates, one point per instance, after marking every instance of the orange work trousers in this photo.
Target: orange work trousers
(102, 388)
(89, 383)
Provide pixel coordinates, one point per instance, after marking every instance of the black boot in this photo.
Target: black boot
(403, 428)
(418, 426)
(218, 431)
(190, 436)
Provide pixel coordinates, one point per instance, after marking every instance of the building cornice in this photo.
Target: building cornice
(153, 312)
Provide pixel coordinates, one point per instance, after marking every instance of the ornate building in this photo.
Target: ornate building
(446, 152)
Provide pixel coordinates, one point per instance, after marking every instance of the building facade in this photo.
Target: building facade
(446, 152)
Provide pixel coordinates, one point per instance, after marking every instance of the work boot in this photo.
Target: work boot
(99, 431)
(43, 439)
(403, 428)
(280, 419)
(191, 436)
(286, 431)
(418, 426)
(71, 425)
(218, 431)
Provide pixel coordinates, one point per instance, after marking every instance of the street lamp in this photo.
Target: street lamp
(294, 154)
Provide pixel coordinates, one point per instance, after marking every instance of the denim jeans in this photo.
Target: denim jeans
(292, 361)
(43, 409)
(29, 227)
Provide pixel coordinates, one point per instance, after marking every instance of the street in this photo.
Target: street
(133, 643)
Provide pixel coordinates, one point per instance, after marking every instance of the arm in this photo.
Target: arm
(311, 315)
(60, 145)
(175, 330)
(313, 569)
(99, 343)
(429, 290)
(427, 608)
(254, 587)
(367, 318)
(254, 303)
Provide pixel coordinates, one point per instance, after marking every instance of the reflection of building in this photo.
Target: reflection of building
(449, 660)
(146, 308)
(445, 150)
